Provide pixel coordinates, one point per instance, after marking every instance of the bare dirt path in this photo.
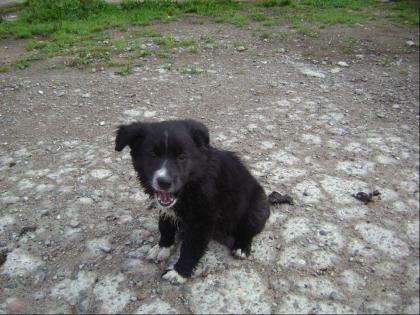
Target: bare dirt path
(74, 225)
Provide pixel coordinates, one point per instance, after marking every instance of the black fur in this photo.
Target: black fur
(215, 193)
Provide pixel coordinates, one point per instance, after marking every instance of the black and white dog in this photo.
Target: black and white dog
(199, 189)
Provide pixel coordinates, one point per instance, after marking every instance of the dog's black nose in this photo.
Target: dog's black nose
(164, 183)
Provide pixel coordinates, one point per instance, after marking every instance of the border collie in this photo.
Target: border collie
(200, 190)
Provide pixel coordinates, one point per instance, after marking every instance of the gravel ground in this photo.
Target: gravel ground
(308, 120)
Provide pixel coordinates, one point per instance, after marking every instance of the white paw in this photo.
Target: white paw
(164, 253)
(159, 253)
(153, 252)
(174, 277)
(238, 253)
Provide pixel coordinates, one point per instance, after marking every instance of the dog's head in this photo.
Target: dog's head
(167, 155)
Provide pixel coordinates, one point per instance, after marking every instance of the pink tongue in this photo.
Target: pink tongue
(165, 196)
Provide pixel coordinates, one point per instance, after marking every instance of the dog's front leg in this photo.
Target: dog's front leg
(167, 229)
(193, 248)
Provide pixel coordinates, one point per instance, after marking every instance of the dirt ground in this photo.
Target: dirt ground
(317, 118)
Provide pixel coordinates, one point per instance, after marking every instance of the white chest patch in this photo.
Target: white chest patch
(169, 213)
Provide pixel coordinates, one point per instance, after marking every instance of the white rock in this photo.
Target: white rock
(100, 173)
(343, 64)
(311, 73)
(19, 262)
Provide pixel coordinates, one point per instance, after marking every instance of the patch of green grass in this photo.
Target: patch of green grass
(192, 71)
(34, 44)
(147, 32)
(22, 64)
(162, 53)
(274, 3)
(56, 66)
(265, 35)
(127, 69)
(194, 50)
(303, 29)
(206, 38)
(4, 68)
(186, 42)
(258, 17)
(403, 12)
(116, 63)
(71, 27)
(166, 41)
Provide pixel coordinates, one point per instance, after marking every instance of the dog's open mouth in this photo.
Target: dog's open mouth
(165, 199)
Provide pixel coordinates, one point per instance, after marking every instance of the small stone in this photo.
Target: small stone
(74, 223)
(102, 123)
(59, 93)
(240, 48)
(333, 295)
(105, 248)
(26, 229)
(358, 91)
(41, 92)
(343, 64)
(86, 95)
(45, 213)
(93, 70)
(311, 73)
(410, 43)
(323, 232)
(359, 56)
(141, 295)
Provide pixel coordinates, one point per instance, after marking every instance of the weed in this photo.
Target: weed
(258, 17)
(143, 53)
(194, 50)
(191, 71)
(4, 68)
(274, 3)
(166, 41)
(186, 42)
(168, 66)
(115, 63)
(162, 53)
(33, 44)
(125, 70)
(56, 66)
(22, 64)
(207, 39)
(265, 35)
(147, 32)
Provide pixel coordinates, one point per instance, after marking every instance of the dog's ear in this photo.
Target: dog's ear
(199, 132)
(127, 134)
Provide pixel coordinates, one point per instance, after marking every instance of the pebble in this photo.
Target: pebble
(311, 73)
(86, 95)
(105, 248)
(343, 64)
(74, 223)
(410, 43)
(240, 48)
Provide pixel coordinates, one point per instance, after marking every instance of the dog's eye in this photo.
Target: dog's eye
(182, 157)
